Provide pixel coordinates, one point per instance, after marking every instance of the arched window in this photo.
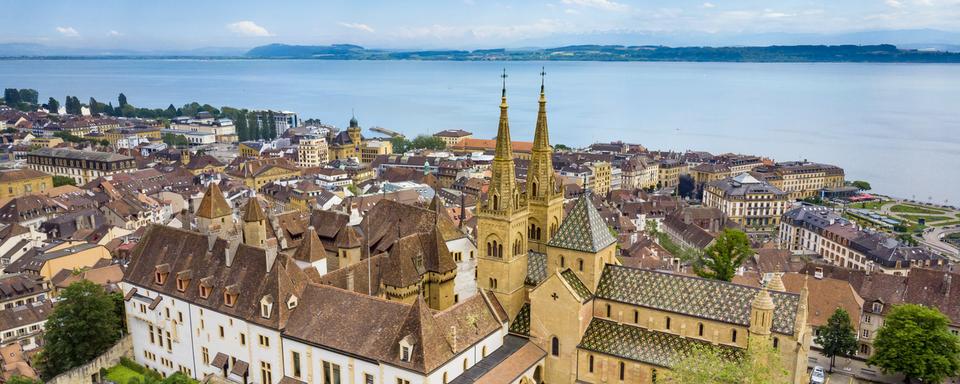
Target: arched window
(464, 364)
(636, 316)
(609, 310)
(555, 346)
(538, 234)
(489, 249)
(563, 262)
(484, 352)
(499, 250)
(496, 202)
(534, 189)
(444, 378)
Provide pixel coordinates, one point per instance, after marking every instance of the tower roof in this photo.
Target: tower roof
(583, 229)
(213, 205)
(504, 149)
(541, 137)
(252, 212)
(763, 300)
(311, 249)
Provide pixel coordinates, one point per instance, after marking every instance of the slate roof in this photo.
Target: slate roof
(693, 296)
(67, 153)
(16, 286)
(583, 229)
(521, 322)
(516, 356)
(639, 344)
(536, 268)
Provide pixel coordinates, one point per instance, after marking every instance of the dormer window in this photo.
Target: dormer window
(230, 294)
(183, 280)
(266, 306)
(877, 307)
(292, 302)
(406, 348)
(161, 273)
(206, 286)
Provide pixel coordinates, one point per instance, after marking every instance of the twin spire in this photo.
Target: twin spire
(541, 141)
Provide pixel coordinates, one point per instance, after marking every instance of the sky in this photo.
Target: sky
(178, 24)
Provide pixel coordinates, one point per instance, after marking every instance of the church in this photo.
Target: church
(351, 143)
(560, 282)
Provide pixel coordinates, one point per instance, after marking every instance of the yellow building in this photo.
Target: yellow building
(117, 134)
(451, 137)
(802, 179)
(752, 203)
(249, 148)
(351, 143)
(46, 142)
(601, 177)
(256, 173)
(67, 256)
(669, 172)
(19, 182)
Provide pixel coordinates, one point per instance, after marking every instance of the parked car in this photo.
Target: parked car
(818, 376)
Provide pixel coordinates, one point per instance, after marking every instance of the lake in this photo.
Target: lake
(894, 125)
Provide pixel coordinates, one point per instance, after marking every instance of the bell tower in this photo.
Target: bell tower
(502, 224)
(546, 200)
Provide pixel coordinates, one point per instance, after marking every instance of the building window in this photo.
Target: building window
(265, 374)
(295, 361)
(221, 332)
(243, 339)
(609, 310)
(776, 342)
(331, 373)
(623, 371)
(700, 329)
(367, 378)
(555, 346)
(206, 355)
(264, 341)
(866, 333)
(483, 352)
(403, 381)
(636, 316)
(580, 264)
(404, 353)
(590, 364)
(733, 335)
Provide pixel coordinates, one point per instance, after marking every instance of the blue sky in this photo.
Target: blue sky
(176, 24)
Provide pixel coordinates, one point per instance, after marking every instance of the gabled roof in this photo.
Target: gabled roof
(643, 345)
(693, 296)
(583, 229)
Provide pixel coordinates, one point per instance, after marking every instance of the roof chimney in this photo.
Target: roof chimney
(945, 287)
(271, 257)
(231, 251)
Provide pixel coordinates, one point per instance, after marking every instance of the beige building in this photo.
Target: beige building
(754, 204)
(802, 179)
(351, 143)
(81, 166)
(669, 173)
(453, 136)
(312, 151)
(601, 177)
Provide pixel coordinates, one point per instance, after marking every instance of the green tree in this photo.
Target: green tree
(30, 96)
(175, 140)
(400, 144)
(122, 100)
(709, 364)
(721, 259)
(561, 147)
(862, 185)
(72, 105)
(428, 142)
(52, 105)
(18, 379)
(271, 123)
(83, 325)
(915, 341)
(63, 180)
(837, 337)
(11, 96)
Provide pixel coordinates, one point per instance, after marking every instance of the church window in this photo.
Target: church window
(700, 329)
(776, 342)
(623, 371)
(668, 322)
(590, 364)
(580, 264)
(555, 346)
(733, 335)
(499, 250)
(562, 262)
(538, 233)
(636, 316)
(609, 310)
(489, 249)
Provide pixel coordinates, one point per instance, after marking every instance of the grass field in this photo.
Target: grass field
(910, 208)
(930, 219)
(122, 375)
(874, 205)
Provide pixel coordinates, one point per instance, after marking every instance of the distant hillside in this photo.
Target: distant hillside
(796, 53)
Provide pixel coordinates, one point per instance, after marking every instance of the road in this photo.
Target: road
(933, 238)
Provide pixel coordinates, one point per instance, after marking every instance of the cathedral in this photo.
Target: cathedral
(560, 282)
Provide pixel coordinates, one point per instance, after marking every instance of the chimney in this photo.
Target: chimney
(350, 280)
(945, 287)
(271, 257)
(211, 240)
(231, 250)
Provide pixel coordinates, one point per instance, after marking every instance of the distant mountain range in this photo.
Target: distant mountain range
(796, 53)
(917, 45)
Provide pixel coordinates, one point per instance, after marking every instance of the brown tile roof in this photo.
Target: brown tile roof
(248, 272)
(213, 205)
(483, 144)
(252, 212)
(11, 175)
(826, 295)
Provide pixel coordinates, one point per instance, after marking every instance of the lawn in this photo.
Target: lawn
(930, 219)
(872, 205)
(910, 208)
(122, 375)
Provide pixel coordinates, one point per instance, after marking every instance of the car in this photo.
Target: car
(818, 376)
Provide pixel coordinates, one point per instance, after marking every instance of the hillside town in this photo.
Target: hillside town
(320, 254)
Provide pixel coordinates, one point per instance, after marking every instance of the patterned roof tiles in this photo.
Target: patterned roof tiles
(583, 229)
(521, 323)
(639, 344)
(693, 296)
(536, 268)
(577, 285)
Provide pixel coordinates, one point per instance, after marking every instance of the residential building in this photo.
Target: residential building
(19, 182)
(521, 150)
(751, 203)
(24, 324)
(451, 137)
(351, 143)
(312, 151)
(282, 120)
(17, 290)
(256, 173)
(669, 172)
(203, 125)
(601, 180)
(802, 179)
(81, 166)
(47, 262)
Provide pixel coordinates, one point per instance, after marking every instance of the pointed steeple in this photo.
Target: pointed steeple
(541, 138)
(504, 144)
(310, 249)
(213, 205)
(252, 212)
(776, 283)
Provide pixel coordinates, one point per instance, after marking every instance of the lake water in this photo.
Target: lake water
(895, 125)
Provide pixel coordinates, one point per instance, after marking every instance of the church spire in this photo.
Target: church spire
(504, 146)
(541, 138)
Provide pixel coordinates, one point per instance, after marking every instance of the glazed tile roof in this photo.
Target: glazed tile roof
(521, 322)
(583, 229)
(571, 278)
(638, 344)
(536, 268)
(693, 296)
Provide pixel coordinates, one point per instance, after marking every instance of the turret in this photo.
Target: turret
(761, 315)
(254, 224)
(214, 213)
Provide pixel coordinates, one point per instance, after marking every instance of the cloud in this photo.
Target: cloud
(357, 26)
(894, 3)
(606, 5)
(248, 28)
(68, 31)
(114, 33)
(709, 5)
(571, 11)
(481, 33)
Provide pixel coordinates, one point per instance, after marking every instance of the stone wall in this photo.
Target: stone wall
(90, 372)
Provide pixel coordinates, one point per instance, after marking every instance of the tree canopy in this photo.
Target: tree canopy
(83, 325)
(837, 337)
(709, 364)
(862, 185)
(721, 259)
(63, 180)
(915, 341)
